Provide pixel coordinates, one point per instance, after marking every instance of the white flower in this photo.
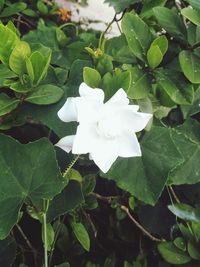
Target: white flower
(106, 130)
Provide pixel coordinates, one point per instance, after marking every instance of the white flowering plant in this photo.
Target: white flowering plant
(100, 137)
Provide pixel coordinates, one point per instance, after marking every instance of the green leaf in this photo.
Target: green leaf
(8, 249)
(187, 139)
(194, 4)
(157, 51)
(18, 86)
(172, 254)
(9, 39)
(104, 64)
(7, 104)
(146, 177)
(185, 212)
(138, 35)
(37, 178)
(162, 43)
(48, 114)
(5, 73)
(175, 86)
(112, 83)
(17, 60)
(50, 235)
(175, 28)
(140, 84)
(42, 7)
(37, 65)
(154, 56)
(180, 243)
(190, 65)
(147, 7)
(191, 14)
(13, 9)
(66, 201)
(81, 234)
(45, 95)
(118, 49)
(2, 3)
(91, 77)
(193, 251)
(29, 12)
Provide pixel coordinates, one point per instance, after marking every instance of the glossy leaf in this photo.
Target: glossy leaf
(9, 39)
(7, 104)
(190, 65)
(112, 82)
(172, 254)
(91, 77)
(154, 56)
(140, 84)
(176, 27)
(194, 4)
(176, 87)
(138, 35)
(37, 65)
(185, 212)
(17, 60)
(81, 234)
(13, 9)
(45, 95)
(191, 14)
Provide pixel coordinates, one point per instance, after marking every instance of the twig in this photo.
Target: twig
(179, 7)
(174, 194)
(87, 216)
(126, 210)
(153, 238)
(28, 243)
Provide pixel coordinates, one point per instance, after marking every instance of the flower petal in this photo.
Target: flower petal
(95, 93)
(68, 112)
(104, 154)
(128, 145)
(127, 120)
(85, 139)
(120, 97)
(66, 143)
(87, 109)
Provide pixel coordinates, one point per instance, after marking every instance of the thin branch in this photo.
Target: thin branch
(179, 7)
(153, 238)
(126, 210)
(28, 243)
(87, 216)
(174, 194)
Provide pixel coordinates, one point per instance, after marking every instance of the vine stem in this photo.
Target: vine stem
(44, 218)
(58, 228)
(71, 165)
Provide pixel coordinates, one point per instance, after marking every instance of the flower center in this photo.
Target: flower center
(105, 128)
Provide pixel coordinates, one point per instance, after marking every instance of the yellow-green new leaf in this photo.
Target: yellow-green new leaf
(17, 60)
(9, 39)
(154, 56)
